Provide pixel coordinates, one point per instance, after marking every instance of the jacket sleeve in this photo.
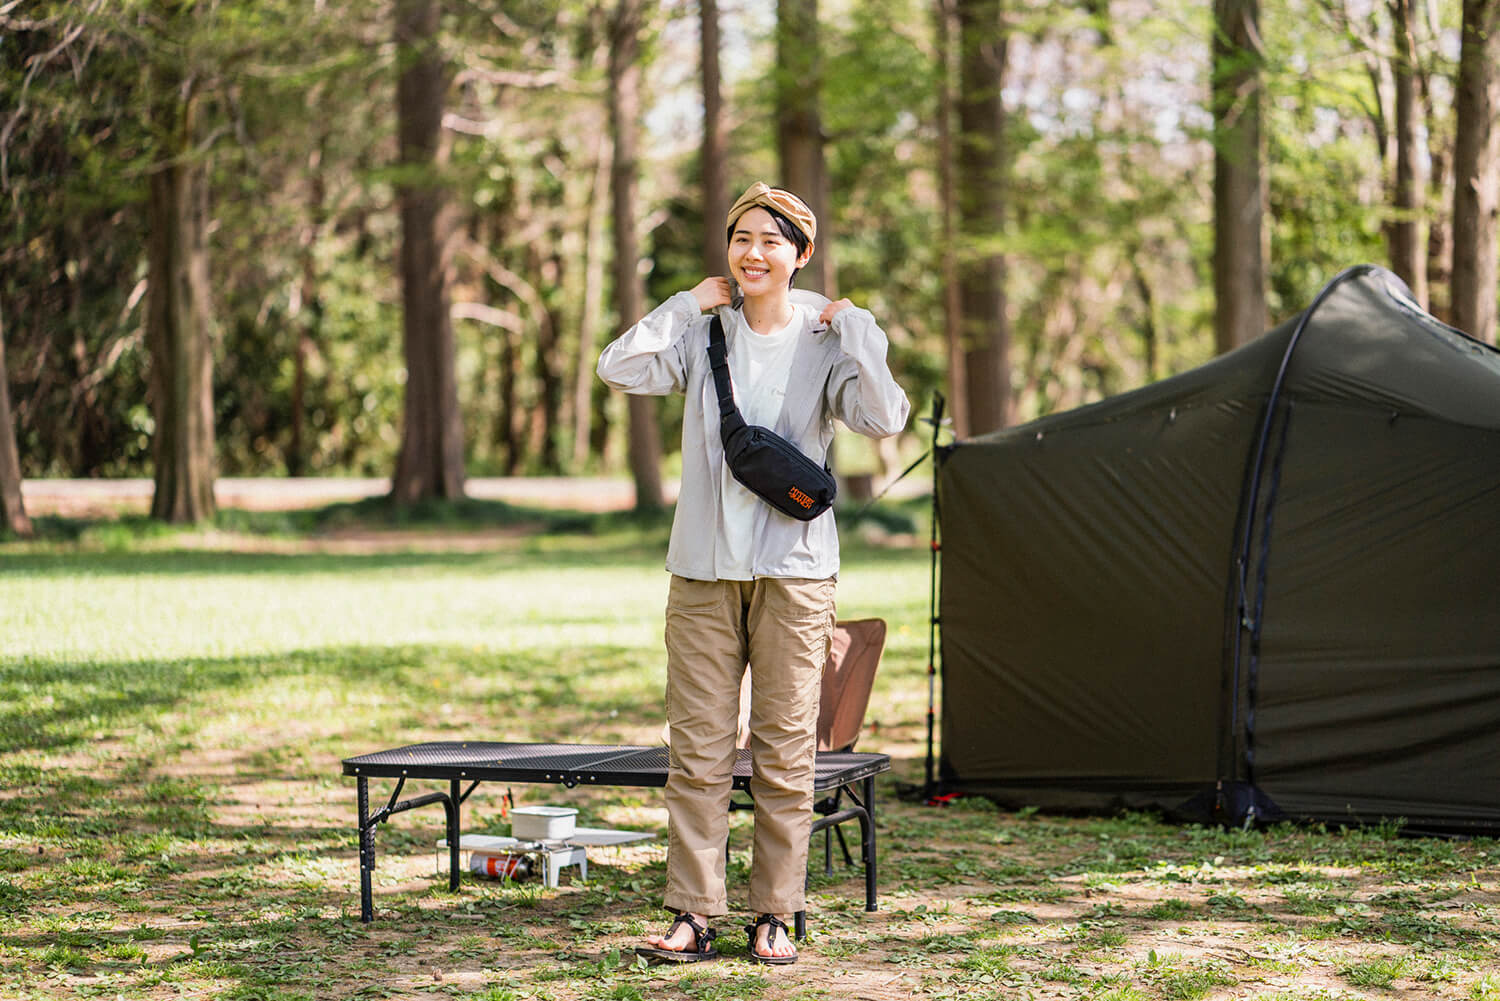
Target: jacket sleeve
(861, 391)
(650, 359)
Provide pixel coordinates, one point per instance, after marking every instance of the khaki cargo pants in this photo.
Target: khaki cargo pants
(782, 628)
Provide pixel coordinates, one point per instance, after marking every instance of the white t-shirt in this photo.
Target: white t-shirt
(759, 368)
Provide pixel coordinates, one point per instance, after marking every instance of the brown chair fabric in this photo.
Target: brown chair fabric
(848, 678)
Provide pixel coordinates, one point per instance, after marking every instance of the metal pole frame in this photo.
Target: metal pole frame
(929, 787)
(451, 800)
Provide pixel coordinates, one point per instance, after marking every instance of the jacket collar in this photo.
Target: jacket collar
(798, 297)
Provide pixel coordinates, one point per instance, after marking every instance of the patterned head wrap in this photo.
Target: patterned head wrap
(783, 201)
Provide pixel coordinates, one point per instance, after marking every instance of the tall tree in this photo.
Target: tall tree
(178, 315)
(1476, 171)
(71, 248)
(589, 415)
(1407, 242)
(799, 129)
(431, 462)
(12, 506)
(1438, 126)
(1239, 177)
(307, 307)
(630, 296)
(715, 178)
(982, 165)
(944, 31)
(546, 358)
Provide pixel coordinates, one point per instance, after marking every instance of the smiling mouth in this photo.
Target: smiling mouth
(755, 272)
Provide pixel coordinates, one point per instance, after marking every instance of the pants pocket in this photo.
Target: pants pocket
(799, 600)
(695, 595)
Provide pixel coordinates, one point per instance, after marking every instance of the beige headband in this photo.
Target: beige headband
(788, 204)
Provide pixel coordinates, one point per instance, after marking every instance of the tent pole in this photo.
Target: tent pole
(1241, 766)
(1250, 489)
(929, 789)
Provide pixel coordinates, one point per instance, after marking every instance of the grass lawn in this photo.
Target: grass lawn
(173, 822)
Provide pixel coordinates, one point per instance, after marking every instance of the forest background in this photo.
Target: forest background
(320, 237)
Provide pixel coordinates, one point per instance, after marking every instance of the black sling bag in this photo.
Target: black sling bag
(760, 459)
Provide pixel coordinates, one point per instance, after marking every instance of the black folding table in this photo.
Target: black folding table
(848, 773)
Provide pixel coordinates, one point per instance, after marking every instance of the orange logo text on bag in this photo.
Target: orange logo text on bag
(800, 497)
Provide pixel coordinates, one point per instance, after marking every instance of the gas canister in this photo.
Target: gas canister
(508, 865)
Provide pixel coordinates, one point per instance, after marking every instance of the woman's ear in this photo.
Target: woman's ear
(806, 256)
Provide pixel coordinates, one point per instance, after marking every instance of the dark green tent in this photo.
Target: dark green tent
(1262, 588)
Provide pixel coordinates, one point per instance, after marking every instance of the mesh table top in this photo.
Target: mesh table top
(576, 764)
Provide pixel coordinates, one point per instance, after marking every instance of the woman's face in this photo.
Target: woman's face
(761, 259)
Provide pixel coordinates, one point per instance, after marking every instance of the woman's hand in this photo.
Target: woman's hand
(711, 292)
(832, 308)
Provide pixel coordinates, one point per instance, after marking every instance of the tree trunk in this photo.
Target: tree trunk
(12, 506)
(1439, 230)
(508, 420)
(1408, 245)
(589, 433)
(799, 130)
(431, 462)
(310, 298)
(1476, 171)
(982, 161)
(715, 178)
(624, 115)
(177, 320)
(1149, 336)
(1438, 123)
(545, 363)
(1239, 180)
(945, 29)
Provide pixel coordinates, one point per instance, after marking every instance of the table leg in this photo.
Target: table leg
(867, 829)
(366, 853)
(453, 835)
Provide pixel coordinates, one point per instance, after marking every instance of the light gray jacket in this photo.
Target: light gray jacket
(838, 371)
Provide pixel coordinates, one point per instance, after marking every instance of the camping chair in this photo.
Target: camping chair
(848, 677)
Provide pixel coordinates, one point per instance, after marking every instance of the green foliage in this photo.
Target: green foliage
(1169, 910)
(85, 140)
(69, 260)
(1486, 988)
(1381, 972)
(1180, 980)
(1107, 165)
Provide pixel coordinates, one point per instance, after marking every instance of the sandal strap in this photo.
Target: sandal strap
(701, 936)
(775, 923)
(767, 919)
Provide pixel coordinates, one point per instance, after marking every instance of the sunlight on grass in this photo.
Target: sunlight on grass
(173, 821)
(1379, 972)
(186, 611)
(1486, 988)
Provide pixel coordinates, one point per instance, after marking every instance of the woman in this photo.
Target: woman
(750, 584)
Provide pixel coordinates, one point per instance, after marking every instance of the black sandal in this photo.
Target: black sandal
(775, 923)
(702, 951)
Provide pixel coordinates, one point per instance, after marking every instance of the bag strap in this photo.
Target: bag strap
(730, 419)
